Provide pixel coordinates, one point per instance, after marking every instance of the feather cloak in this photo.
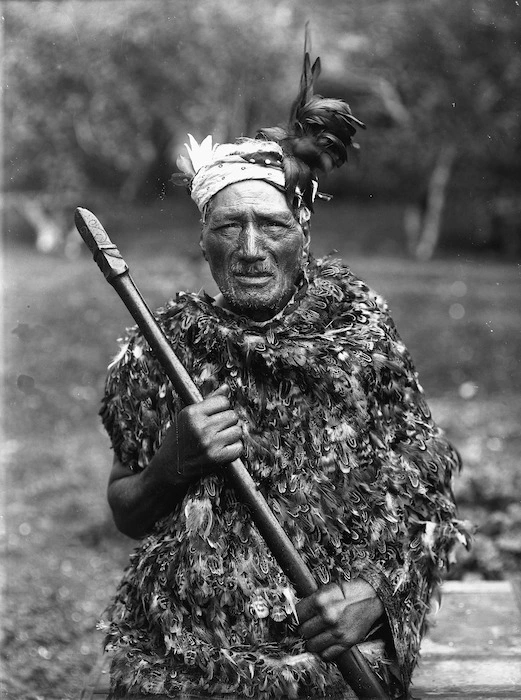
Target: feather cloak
(340, 441)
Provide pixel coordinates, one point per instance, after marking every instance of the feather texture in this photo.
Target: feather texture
(318, 135)
(337, 437)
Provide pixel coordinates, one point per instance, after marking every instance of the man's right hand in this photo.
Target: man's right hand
(207, 435)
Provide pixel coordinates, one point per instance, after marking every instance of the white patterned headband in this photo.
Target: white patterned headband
(210, 168)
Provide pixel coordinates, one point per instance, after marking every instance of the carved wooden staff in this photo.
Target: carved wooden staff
(351, 663)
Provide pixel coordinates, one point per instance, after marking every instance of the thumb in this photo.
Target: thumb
(223, 390)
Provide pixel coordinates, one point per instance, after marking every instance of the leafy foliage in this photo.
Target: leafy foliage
(97, 92)
(102, 94)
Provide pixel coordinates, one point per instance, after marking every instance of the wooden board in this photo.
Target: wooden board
(473, 649)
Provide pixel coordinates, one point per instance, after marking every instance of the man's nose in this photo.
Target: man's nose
(251, 247)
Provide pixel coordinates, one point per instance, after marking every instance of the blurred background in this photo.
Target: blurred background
(98, 98)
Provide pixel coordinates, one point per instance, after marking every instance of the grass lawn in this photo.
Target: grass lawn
(460, 318)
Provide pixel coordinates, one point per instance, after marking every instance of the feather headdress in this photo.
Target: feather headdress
(317, 137)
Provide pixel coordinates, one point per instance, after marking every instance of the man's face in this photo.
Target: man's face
(255, 248)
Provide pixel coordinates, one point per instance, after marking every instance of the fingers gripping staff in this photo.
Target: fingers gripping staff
(351, 663)
(222, 442)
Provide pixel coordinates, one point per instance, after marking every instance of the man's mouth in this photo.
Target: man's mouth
(258, 278)
(253, 276)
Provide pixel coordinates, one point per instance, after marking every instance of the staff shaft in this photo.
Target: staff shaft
(351, 663)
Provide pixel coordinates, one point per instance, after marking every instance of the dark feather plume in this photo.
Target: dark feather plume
(318, 135)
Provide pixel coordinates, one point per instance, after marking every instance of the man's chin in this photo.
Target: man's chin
(256, 308)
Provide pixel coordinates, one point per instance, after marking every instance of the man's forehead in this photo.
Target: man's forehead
(260, 209)
(247, 195)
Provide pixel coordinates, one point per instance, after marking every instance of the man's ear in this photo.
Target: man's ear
(307, 239)
(202, 245)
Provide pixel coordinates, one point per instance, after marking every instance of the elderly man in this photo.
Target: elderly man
(306, 379)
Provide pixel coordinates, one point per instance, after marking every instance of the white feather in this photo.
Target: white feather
(200, 153)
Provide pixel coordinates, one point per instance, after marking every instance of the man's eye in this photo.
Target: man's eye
(230, 227)
(271, 225)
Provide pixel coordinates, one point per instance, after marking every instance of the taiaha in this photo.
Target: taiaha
(351, 663)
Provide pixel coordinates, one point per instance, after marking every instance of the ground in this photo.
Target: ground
(460, 318)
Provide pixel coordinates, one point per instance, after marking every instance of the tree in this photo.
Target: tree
(456, 67)
(97, 91)
(101, 94)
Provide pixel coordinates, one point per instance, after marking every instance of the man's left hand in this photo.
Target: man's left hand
(337, 616)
